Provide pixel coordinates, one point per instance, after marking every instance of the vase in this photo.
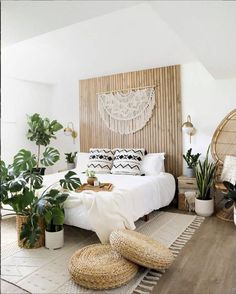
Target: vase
(70, 165)
(91, 180)
(204, 207)
(22, 219)
(54, 240)
(190, 172)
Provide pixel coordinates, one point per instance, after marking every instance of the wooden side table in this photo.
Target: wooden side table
(185, 184)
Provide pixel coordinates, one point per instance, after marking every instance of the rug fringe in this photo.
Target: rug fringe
(153, 276)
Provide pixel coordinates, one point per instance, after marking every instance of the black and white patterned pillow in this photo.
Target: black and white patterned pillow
(100, 160)
(127, 161)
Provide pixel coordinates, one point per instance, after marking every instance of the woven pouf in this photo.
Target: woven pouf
(141, 249)
(99, 267)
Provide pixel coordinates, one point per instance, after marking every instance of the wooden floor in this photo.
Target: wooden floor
(206, 265)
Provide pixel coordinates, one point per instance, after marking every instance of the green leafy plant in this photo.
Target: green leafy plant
(204, 177)
(191, 159)
(41, 131)
(90, 173)
(19, 189)
(230, 197)
(70, 157)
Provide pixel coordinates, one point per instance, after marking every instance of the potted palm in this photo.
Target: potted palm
(70, 159)
(230, 197)
(204, 203)
(41, 131)
(20, 187)
(191, 160)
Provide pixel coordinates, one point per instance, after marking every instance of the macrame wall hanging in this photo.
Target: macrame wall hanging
(126, 113)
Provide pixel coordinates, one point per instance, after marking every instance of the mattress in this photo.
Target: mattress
(139, 194)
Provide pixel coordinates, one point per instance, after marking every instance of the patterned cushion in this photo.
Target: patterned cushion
(229, 169)
(127, 161)
(100, 160)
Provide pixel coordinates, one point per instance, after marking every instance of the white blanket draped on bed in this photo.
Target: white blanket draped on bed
(132, 197)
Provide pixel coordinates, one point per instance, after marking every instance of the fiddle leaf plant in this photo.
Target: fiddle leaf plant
(41, 131)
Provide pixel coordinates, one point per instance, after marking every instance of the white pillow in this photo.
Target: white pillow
(82, 161)
(153, 164)
(100, 160)
(229, 169)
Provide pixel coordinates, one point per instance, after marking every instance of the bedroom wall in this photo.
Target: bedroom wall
(18, 99)
(207, 100)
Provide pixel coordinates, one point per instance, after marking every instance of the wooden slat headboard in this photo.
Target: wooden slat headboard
(163, 131)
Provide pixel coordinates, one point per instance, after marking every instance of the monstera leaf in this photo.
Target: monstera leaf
(4, 171)
(24, 161)
(17, 184)
(70, 182)
(33, 179)
(50, 156)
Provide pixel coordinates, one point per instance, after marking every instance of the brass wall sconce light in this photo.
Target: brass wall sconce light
(188, 128)
(70, 131)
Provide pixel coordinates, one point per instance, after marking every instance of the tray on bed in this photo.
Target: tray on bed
(102, 187)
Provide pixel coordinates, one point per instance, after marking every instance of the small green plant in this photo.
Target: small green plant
(70, 157)
(204, 177)
(191, 159)
(230, 197)
(41, 131)
(90, 173)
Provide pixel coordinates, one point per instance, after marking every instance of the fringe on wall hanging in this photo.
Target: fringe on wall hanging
(126, 113)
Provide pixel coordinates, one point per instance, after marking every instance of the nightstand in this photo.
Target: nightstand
(185, 184)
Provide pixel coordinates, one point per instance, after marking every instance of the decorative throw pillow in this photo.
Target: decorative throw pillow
(82, 161)
(127, 161)
(153, 164)
(229, 169)
(100, 160)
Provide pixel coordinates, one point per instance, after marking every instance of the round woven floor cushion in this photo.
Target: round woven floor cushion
(141, 249)
(100, 267)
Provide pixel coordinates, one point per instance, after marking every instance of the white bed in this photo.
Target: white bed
(131, 198)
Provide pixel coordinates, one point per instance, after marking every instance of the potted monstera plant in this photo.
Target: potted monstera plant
(70, 159)
(204, 203)
(230, 197)
(21, 188)
(41, 131)
(191, 160)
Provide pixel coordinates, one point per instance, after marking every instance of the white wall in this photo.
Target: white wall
(207, 100)
(20, 98)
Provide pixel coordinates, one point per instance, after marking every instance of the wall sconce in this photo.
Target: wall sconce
(188, 127)
(70, 131)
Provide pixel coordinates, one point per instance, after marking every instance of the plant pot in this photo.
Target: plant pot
(20, 220)
(234, 215)
(190, 173)
(70, 165)
(91, 180)
(54, 240)
(204, 207)
(39, 170)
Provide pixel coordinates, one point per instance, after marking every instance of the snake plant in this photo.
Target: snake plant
(204, 177)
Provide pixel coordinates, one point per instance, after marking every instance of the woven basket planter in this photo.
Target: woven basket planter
(99, 267)
(20, 220)
(141, 249)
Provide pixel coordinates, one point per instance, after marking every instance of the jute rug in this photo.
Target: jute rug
(44, 271)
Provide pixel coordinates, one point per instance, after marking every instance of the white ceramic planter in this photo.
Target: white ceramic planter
(234, 215)
(190, 172)
(54, 240)
(70, 165)
(204, 207)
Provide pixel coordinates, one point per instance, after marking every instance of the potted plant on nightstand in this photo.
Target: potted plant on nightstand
(191, 160)
(204, 203)
(70, 159)
(41, 131)
(230, 197)
(50, 207)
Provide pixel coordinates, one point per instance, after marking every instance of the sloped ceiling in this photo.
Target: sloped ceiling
(119, 38)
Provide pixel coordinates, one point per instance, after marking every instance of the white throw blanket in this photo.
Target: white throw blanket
(107, 211)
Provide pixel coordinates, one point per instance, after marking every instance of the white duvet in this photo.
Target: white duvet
(131, 198)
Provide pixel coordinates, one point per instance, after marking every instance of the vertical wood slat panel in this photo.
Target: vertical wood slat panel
(162, 133)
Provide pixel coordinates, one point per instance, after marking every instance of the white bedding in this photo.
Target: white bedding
(131, 198)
